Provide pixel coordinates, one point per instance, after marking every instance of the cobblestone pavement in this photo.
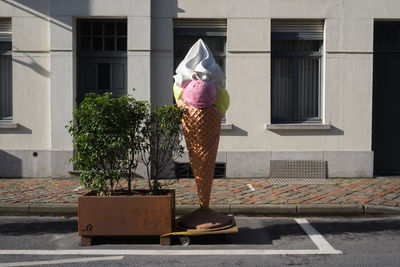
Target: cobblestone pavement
(374, 191)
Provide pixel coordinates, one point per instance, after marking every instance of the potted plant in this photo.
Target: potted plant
(109, 137)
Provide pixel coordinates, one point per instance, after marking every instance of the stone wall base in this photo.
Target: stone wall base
(45, 163)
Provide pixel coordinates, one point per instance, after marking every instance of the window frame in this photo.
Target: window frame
(91, 56)
(295, 55)
(6, 37)
(201, 28)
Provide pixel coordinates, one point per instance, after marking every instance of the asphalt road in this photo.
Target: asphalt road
(261, 241)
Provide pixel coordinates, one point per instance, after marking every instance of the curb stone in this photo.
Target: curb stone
(36, 209)
(14, 209)
(53, 209)
(332, 209)
(375, 209)
(272, 209)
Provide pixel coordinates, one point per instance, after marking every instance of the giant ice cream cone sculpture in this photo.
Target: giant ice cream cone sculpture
(202, 129)
(199, 91)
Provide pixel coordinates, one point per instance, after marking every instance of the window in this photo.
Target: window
(101, 56)
(213, 33)
(184, 170)
(296, 60)
(5, 70)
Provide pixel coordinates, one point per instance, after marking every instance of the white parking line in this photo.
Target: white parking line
(316, 237)
(78, 260)
(323, 248)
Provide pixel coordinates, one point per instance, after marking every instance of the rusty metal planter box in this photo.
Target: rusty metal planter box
(123, 215)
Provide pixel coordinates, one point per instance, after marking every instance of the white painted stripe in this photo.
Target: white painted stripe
(78, 260)
(164, 252)
(315, 236)
(323, 248)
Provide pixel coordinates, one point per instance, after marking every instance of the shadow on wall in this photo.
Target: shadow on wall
(33, 65)
(41, 10)
(20, 130)
(161, 60)
(236, 131)
(10, 165)
(333, 131)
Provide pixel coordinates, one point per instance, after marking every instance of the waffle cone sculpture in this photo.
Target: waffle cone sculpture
(200, 94)
(202, 129)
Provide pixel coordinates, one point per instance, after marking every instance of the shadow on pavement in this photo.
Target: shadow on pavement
(38, 228)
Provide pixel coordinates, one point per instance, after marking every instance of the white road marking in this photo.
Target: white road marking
(78, 260)
(165, 252)
(315, 236)
(323, 248)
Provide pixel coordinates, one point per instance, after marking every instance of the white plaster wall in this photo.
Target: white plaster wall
(31, 72)
(139, 46)
(347, 89)
(162, 61)
(43, 69)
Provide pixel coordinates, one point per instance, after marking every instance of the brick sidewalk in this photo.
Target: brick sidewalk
(378, 191)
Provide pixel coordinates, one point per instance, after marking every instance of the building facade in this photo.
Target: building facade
(303, 76)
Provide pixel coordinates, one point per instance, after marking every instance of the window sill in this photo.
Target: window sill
(298, 126)
(226, 126)
(8, 125)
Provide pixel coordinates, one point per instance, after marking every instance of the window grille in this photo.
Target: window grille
(101, 56)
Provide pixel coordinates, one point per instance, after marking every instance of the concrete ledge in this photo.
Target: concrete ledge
(71, 209)
(375, 209)
(298, 126)
(8, 125)
(333, 209)
(226, 126)
(14, 209)
(263, 210)
(53, 209)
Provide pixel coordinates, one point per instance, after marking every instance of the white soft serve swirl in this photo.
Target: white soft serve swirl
(199, 63)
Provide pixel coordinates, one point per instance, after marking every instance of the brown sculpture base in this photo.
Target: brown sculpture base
(203, 219)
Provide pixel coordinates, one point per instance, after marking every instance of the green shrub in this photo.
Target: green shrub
(112, 135)
(162, 144)
(107, 137)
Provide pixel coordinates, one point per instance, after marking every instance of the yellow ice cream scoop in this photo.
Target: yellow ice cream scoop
(222, 102)
(177, 92)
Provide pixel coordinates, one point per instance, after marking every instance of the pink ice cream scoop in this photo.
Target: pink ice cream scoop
(200, 94)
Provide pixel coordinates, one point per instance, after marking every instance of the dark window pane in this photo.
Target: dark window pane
(121, 44)
(295, 80)
(5, 46)
(109, 28)
(89, 76)
(85, 44)
(387, 32)
(118, 76)
(5, 87)
(109, 43)
(308, 93)
(85, 28)
(121, 28)
(103, 76)
(296, 45)
(97, 28)
(97, 44)
(282, 94)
